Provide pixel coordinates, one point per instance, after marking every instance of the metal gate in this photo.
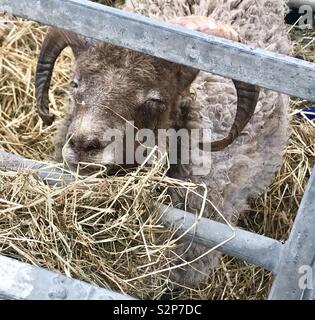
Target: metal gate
(275, 72)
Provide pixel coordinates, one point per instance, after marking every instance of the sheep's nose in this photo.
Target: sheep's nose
(80, 143)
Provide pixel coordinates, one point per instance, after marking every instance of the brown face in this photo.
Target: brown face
(112, 89)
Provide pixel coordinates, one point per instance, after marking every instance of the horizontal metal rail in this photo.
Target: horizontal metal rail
(245, 245)
(212, 54)
(216, 55)
(22, 281)
(49, 173)
(283, 259)
(300, 3)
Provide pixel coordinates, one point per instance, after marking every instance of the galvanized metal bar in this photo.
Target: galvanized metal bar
(48, 173)
(22, 281)
(253, 248)
(300, 3)
(216, 55)
(295, 278)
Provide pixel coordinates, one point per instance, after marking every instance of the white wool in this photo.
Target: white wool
(246, 167)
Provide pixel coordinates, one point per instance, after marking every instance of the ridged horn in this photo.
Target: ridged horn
(247, 94)
(247, 98)
(54, 43)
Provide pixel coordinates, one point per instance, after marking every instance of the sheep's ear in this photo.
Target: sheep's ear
(186, 76)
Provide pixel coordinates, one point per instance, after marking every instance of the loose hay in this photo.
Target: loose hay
(106, 231)
(89, 230)
(78, 230)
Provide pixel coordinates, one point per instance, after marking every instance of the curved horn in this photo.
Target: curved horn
(247, 94)
(247, 97)
(54, 43)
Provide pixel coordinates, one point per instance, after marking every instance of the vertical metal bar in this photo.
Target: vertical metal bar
(296, 270)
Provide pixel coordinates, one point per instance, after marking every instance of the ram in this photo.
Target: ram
(112, 85)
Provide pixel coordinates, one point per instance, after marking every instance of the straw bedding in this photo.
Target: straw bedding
(107, 231)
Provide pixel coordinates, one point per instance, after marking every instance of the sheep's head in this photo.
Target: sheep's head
(112, 86)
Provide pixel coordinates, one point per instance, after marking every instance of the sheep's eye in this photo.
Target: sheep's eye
(74, 84)
(156, 104)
